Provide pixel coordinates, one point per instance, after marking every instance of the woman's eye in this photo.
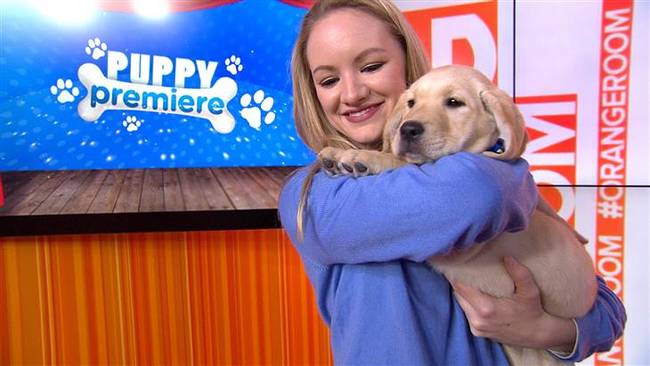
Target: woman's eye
(328, 82)
(372, 67)
(454, 103)
(410, 103)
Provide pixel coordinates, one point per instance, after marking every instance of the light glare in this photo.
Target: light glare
(66, 12)
(154, 9)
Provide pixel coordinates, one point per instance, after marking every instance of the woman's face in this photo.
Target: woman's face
(358, 70)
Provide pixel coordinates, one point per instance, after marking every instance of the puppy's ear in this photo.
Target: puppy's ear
(392, 125)
(510, 123)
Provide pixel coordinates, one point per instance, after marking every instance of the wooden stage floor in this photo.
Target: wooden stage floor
(141, 190)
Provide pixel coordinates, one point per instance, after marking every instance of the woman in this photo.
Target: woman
(363, 242)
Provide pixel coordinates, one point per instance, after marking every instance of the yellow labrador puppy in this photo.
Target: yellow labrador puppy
(456, 108)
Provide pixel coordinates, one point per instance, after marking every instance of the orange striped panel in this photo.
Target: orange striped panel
(231, 297)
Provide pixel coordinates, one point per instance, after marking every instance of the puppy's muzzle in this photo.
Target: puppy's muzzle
(411, 131)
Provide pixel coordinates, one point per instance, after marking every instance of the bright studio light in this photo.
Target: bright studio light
(154, 9)
(67, 12)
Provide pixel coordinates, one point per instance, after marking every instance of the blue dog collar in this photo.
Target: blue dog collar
(499, 147)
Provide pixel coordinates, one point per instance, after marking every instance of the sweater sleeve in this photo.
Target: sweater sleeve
(600, 327)
(412, 212)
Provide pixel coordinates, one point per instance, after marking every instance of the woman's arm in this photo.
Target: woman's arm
(412, 212)
(520, 320)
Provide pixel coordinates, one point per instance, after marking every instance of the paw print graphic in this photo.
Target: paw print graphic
(253, 113)
(131, 123)
(96, 48)
(64, 91)
(233, 65)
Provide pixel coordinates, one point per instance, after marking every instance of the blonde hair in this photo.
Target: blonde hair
(312, 125)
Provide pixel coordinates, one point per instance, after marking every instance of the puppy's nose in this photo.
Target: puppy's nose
(411, 130)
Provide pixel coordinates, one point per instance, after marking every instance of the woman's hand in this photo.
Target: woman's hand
(518, 320)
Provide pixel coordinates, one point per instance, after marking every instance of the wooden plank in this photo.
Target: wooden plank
(193, 196)
(153, 196)
(8, 177)
(172, 195)
(213, 191)
(286, 170)
(137, 190)
(80, 202)
(104, 201)
(275, 174)
(281, 173)
(55, 202)
(12, 181)
(264, 180)
(34, 193)
(129, 198)
(22, 189)
(242, 190)
(266, 176)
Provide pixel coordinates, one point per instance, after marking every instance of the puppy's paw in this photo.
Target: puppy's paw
(329, 160)
(337, 162)
(355, 163)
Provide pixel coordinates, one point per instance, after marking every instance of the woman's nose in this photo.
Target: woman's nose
(354, 90)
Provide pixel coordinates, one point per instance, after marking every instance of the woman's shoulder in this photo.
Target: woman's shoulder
(464, 158)
(295, 180)
(298, 175)
(292, 188)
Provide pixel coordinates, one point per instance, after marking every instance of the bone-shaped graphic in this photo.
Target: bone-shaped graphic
(211, 104)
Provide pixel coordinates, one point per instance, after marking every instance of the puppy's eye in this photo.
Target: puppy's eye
(454, 103)
(410, 103)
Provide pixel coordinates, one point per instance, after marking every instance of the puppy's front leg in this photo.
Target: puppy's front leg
(357, 163)
(376, 161)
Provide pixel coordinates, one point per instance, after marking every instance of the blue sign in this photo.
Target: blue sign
(202, 88)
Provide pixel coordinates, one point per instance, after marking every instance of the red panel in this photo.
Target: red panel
(486, 11)
(300, 3)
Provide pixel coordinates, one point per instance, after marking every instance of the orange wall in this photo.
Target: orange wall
(230, 297)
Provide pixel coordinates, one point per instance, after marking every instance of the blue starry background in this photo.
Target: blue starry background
(39, 133)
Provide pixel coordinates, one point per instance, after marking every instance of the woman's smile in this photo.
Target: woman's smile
(364, 114)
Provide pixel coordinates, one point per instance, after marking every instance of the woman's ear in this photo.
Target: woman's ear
(509, 121)
(394, 120)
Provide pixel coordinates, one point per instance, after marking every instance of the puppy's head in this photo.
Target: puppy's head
(452, 109)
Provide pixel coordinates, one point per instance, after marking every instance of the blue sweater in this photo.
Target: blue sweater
(365, 241)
